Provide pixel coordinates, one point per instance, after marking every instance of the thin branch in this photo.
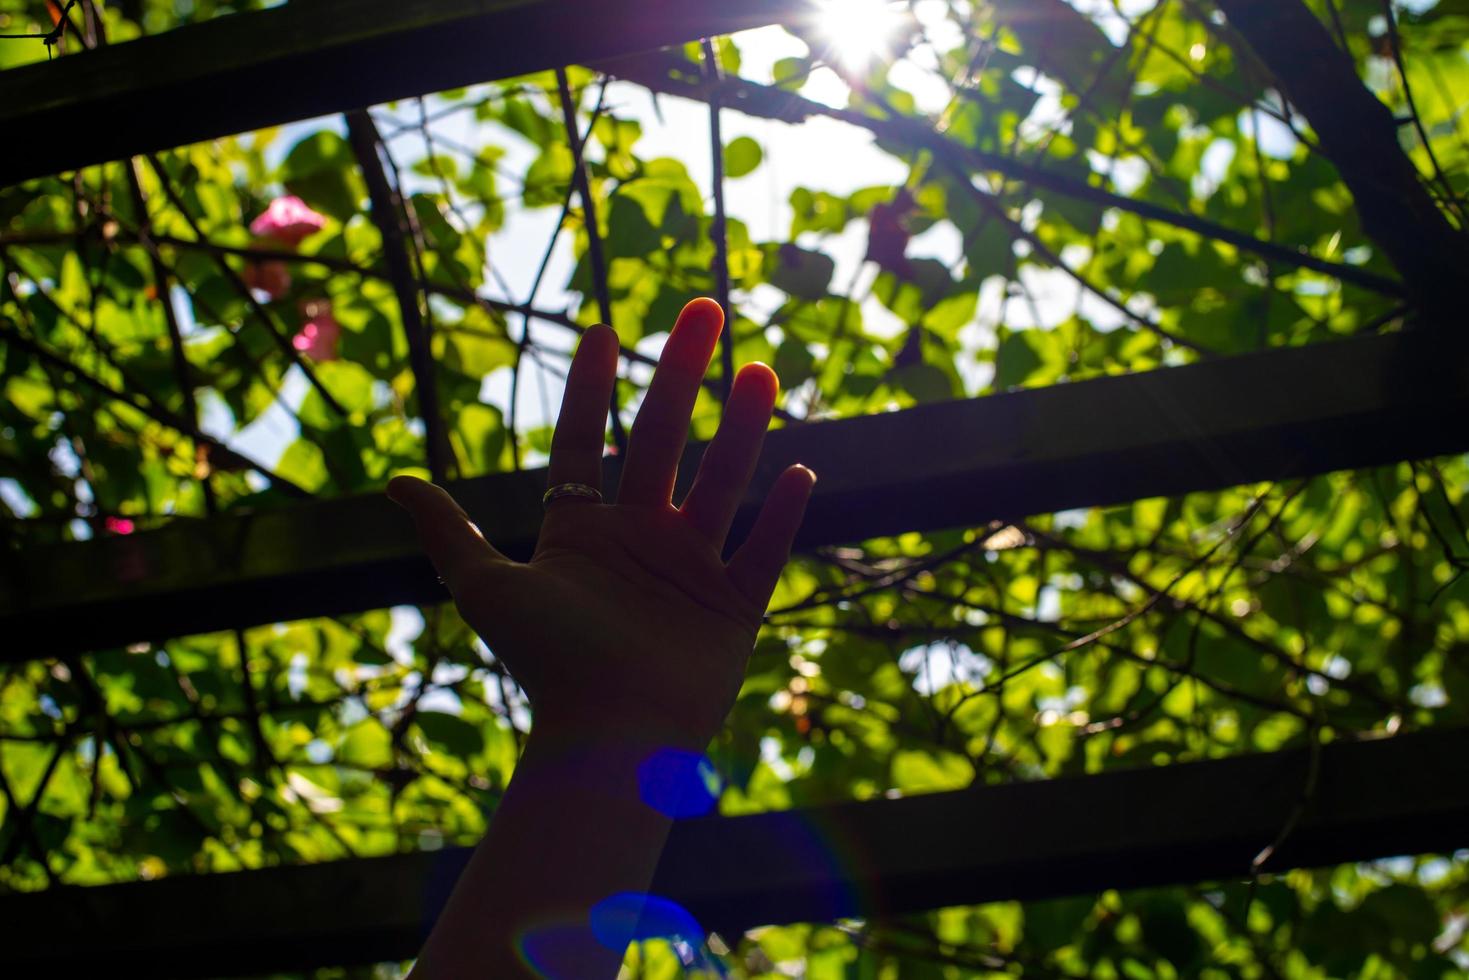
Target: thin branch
(1358, 134)
(183, 372)
(1044, 252)
(152, 410)
(261, 313)
(525, 342)
(23, 816)
(655, 72)
(718, 231)
(1450, 197)
(594, 233)
(387, 206)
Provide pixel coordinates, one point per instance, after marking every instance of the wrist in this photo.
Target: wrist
(614, 726)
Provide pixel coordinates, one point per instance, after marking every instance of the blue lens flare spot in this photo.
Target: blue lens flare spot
(634, 916)
(678, 783)
(560, 952)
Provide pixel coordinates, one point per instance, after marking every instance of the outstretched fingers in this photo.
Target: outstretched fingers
(457, 549)
(662, 425)
(729, 462)
(756, 566)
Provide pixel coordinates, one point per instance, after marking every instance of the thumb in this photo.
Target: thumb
(454, 545)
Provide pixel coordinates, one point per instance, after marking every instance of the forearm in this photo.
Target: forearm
(570, 832)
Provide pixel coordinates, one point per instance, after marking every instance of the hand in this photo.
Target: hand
(627, 620)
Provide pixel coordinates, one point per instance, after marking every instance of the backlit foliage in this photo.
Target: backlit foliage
(1249, 620)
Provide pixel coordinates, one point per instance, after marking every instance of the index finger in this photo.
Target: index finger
(576, 445)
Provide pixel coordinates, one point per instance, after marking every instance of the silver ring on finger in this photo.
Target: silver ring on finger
(581, 490)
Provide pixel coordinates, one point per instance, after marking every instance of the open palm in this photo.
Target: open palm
(627, 616)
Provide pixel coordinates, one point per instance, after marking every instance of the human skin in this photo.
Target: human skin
(630, 635)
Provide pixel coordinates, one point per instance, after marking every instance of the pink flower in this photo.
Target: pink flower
(271, 278)
(118, 525)
(287, 219)
(319, 334)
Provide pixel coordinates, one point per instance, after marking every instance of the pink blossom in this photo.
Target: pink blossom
(271, 278)
(118, 525)
(287, 219)
(319, 334)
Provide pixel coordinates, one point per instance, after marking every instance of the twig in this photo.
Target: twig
(769, 102)
(524, 343)
(261, 313)
(1450, 196)
(594, 234)
(182, 371)
(387, 205)
(152, 410)
(718, 230)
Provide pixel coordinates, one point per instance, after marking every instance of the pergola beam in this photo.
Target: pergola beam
(1181, 823)
(318, 57)
(1221, 423)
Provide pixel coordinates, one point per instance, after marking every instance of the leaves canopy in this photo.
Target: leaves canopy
(1245, 620)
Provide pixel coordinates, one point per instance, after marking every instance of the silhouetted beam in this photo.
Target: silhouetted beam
(315, 57)
(1272, 415)
(1174, 824)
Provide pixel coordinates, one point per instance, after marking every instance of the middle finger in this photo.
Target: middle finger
(662, 425)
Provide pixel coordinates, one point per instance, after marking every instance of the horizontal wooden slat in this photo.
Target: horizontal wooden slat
(1174, 824)
(314, 57)
(1221, 423)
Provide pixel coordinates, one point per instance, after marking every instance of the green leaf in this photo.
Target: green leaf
(322, 171)
(817, 211)
(479, 437)
(304, 465)
(1028, 357)
(931, 771)
(548, 176)
(1404, 912)
(925, 382)
(457, 736)
(794, 363)
(475, 355)
(1057, 923)
(630, 234)
(350, 384)
(791, 73)
(951, 313)
(367, 744)
(1166, 928)
(801, 272)
(741, 156)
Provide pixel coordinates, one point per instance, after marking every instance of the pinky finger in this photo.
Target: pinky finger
(755, 568)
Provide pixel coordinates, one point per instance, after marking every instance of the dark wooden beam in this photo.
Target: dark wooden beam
(1221, 423)
(316, 57)
(1182, 823)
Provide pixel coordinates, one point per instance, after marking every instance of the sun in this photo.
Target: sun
(857, 30)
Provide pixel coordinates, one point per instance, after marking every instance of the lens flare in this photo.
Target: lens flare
(678, 783)
(857, 30)
(627, 916)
